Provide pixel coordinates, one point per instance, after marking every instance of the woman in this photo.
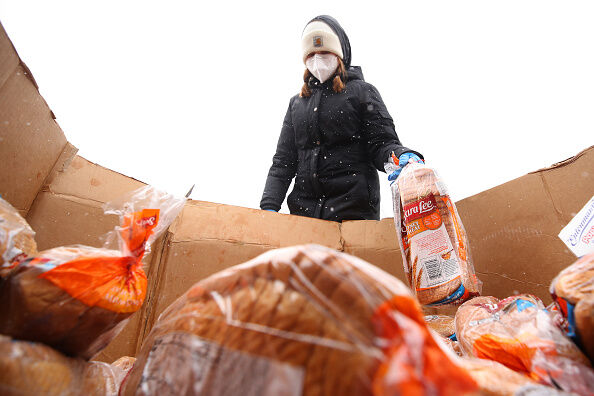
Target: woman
(335, 135)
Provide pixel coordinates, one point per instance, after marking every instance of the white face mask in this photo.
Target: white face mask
(322, 66)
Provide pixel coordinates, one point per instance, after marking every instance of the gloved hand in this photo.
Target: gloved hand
(404, 160)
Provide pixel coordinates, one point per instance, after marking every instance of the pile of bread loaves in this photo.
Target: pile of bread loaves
(62, 306)
(308, 320)
(526, 342)
(303, 320)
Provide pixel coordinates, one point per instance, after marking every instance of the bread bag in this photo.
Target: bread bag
(28, 368)
(442, 324)
(520, 334)
(76, 298)
(494, 379)
(433, 242)
(304, 320)
(573, 292)
(16, 236)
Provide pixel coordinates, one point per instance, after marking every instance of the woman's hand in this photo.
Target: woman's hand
(404, 160)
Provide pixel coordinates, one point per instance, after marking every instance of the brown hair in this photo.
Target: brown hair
(338, 83)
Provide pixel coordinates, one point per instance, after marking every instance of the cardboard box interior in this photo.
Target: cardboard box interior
(512, 228)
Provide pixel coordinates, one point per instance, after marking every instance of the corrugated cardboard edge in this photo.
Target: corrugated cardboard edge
(565, 162)
(155, 273)
(563, 217)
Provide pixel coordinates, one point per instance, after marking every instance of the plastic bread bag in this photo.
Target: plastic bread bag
(304, 320)
(16, 236)
(494, 379)
(520, 334)
(28, 368)
(76, 298)
(432, 239)
(125, 363)
(443, 325)
(573, 293)
(445, 328)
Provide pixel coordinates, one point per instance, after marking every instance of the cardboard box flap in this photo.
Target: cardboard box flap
(513, 227)
(205, 220)
(32, 142)
(370, 234)
(9, 59)
(375, 242)
(570, 184)
(87, 180)
(33, 145)
(568, 161)
(70, 209)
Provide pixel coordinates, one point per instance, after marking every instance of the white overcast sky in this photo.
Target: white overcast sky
(179, 93)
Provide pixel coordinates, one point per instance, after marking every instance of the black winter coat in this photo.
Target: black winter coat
(333, 143)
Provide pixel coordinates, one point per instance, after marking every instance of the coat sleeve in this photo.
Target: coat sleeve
(284, 166)
(378, 128)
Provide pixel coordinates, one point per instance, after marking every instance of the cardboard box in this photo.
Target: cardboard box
(512, 228)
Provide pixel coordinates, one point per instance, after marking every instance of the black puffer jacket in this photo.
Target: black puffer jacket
(333, 143)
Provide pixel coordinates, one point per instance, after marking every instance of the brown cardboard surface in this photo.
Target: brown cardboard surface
(32, 141)
(60, 220)
(375, 242)
(570, 183)
(513, 227)
(69, 210)
(9, 59)
(510, 229)
(87, 180)
(206, 220)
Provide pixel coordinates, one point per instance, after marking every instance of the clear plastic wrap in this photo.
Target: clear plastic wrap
(432, 239)
(442, 325)
(28, 368)
(494, 379)
(521, 334)
(453, 345)
(573, 293)
(304, 320)
(125, 363)
(76, 298)
(16, 236)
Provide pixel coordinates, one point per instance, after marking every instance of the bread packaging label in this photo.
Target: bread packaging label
(436, 262)
(578, 235)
